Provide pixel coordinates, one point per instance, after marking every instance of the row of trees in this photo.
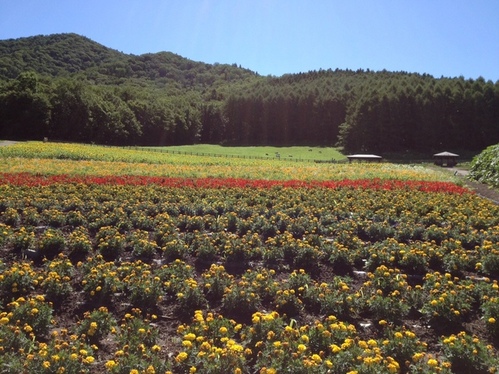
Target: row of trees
(366, 112)
(89, 93)
(361, 111)
(72, 110)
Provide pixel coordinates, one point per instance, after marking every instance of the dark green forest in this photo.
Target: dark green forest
(69, 88)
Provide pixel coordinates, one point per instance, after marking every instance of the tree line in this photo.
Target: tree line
(94, 94)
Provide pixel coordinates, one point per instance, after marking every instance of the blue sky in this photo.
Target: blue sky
(273, 37)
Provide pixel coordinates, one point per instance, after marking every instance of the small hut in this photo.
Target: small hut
(364, 157)
(445, 159)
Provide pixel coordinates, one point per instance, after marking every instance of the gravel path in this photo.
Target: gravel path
(481, 189)
(6, 142)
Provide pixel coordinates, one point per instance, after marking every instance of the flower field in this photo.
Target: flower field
(76, 159)
(155, 274)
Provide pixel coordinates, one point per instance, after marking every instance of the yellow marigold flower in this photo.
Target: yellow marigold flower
(28, 328)
(417, 356)
(238, 371)
(134, 371)
(410, 334)
(317, 359)
(192, 370)
(4, 321)
(264, 370)
(335, 348)
(223, 330)
(46, 364)
(382, 322)
(393, 367)
(301, 348)
(150, 370)
(187, 344)
(181, 357)
(432, 362)
(491, 320)
(372, 343)
(236, 348)
(110, 364)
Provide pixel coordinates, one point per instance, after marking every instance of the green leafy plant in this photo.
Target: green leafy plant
(468, 354)
(142, 247)
(34, 314)
(110, 242)
(51, 243)
(95, 325)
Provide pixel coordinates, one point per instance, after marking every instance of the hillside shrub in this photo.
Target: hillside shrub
(485, 166)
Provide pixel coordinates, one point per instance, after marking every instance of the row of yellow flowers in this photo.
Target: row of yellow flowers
(237, 169)
(212, 343)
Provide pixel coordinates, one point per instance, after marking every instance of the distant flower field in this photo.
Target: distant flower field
(379, 269)
(52, 158)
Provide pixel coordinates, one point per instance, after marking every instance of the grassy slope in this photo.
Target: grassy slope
(297, 152)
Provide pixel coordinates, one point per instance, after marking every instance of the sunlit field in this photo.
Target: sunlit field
(125, 261)
(51, 158)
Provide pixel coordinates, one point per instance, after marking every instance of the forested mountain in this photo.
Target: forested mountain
(68, 87)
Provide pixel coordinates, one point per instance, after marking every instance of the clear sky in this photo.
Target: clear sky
(447, 38)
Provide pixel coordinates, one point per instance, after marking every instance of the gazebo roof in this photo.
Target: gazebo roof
(364, 156)
(445, 154)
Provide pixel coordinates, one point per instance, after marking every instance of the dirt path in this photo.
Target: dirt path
(6, 142)
(480, 188)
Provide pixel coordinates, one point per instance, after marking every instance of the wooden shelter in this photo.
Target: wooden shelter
(364, 157)
(445, 159)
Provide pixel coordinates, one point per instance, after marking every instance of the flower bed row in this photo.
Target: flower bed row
(27, 179)
(153, 278)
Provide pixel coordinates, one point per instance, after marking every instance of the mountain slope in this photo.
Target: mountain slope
(52, 55)
(67, 54)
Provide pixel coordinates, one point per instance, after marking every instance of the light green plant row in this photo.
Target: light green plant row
(287, 153)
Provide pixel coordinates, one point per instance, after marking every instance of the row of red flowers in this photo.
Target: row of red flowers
(27, 179)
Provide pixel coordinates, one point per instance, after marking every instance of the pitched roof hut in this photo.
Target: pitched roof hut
(445, 159)
(364, 157)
